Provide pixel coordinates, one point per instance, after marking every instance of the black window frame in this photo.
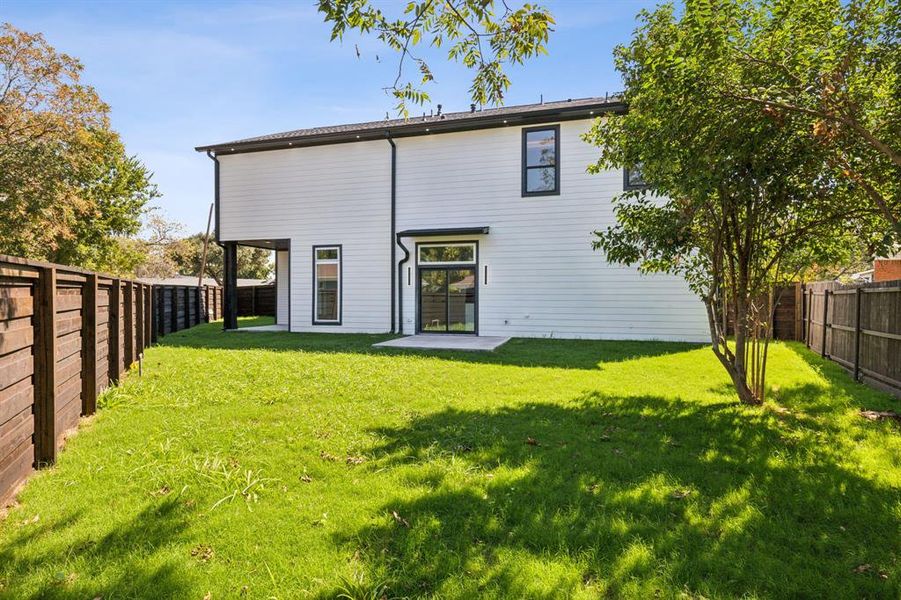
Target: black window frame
(524, 166)
(446, 267)
(316, 320)
(631, 186)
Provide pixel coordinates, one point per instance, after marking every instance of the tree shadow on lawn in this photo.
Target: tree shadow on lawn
(627, 496)
(129, 547)
(522, 352)
(840, 385)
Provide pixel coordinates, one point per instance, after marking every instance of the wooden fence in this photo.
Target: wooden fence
(178, 307)
(66, 334)
(859, 327)
(787, 309)
(256, 300)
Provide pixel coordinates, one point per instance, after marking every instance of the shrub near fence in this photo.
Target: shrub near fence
(65, 335)
(859, 327)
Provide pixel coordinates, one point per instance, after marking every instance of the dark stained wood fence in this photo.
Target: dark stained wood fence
(787, 308)
(178, 307)
(859, 327)
(66, 334)
(256, 300)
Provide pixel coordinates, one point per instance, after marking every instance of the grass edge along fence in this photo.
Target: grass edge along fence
(858, 327)
(66, 334)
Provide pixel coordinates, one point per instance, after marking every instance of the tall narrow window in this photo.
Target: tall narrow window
(541, 161)
(326, 285)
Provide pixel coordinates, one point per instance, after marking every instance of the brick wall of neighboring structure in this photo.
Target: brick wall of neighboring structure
(887, 269)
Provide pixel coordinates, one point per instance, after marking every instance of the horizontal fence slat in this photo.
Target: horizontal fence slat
(65, 334)
(858, 327)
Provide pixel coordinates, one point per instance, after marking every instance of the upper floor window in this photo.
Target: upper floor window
(632, 179)
(541, 161)
(326, 285)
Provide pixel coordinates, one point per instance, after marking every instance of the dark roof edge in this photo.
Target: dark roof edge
(414, 128)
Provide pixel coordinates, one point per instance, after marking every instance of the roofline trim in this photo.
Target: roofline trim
(416, 128)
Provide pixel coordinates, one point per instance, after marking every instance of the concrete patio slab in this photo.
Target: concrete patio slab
(261, 329)
(446, 342)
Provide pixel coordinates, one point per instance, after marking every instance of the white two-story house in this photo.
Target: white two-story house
(476, 223)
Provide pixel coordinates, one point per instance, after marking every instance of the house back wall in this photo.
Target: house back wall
(544, 279)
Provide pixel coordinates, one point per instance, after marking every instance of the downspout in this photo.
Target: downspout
(225, 294)
(400, 284)
(215, 190)
(393, 226)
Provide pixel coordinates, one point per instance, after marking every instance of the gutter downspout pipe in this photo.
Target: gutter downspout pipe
(400, 284)
(394, 277)
(228, 300)
(213, 157)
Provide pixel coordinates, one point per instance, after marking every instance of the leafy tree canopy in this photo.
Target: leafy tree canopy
(67, 186)
(187, 254)
(484, 37)
(741, 197)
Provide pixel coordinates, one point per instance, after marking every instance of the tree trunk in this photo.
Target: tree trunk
(735, 368)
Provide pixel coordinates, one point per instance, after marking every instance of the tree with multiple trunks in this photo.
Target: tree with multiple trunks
(741, 196)
(67, 186)
(766, 130)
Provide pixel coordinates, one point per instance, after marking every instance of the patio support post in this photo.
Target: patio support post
(230, 250)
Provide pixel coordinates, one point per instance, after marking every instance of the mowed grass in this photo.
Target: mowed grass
(291, 466)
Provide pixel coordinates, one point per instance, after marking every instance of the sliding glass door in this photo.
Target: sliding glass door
(447, 299)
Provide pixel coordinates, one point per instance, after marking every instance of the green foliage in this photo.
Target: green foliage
(740, 199)
(833, 70)
(482, 39)
(644, 479)
(186, 254)
(67, 186)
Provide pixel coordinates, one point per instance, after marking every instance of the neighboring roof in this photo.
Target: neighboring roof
(192, 280)
(456, 121)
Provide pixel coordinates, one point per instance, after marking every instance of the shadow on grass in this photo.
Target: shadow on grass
(840, 383)
(626, 496)
(537, 352)
(129, 548)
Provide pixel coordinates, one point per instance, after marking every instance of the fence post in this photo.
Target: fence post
(187, 302)
(799, 309)
(173, 309)
(129, 325)
(154, 314)
(825, 316)
(196, 295)
(139, 320)
(45, 368)
(809, 312)
(858, 296)
(148, 315)
(89, 345)
(115, 312)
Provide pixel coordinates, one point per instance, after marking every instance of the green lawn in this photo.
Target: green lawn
(291, 466)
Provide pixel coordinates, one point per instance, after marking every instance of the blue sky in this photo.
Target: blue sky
(181, 74)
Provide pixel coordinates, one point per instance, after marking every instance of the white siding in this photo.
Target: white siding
(544, 278)
(323, 195)
(282, 287)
